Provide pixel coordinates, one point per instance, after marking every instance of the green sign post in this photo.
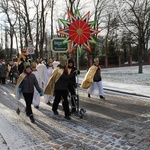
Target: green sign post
(57, 45)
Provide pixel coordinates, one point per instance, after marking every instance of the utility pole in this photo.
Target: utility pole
(52, 12)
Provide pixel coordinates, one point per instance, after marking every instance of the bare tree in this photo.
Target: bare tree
(7, 10)
(135, 17)
(106, 20)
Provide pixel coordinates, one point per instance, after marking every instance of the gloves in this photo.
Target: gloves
(77, 72)
(19, 90)
(41, 93)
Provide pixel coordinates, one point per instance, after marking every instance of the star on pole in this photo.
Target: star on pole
(78, 31)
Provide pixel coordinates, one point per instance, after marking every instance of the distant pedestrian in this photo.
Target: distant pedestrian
(21, 65)
(15, 71)
(4, 71)
(93, 80)
(25, 84)
(10, 74)
(58, 86)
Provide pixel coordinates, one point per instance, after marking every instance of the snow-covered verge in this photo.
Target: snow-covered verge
(126, 79)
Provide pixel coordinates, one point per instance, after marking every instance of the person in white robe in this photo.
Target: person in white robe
(93, 80)
(48, 71)
(55, 62)
(36, 96)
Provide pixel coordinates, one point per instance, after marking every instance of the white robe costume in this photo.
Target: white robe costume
(36, 96)
(96, 89)
(55, 64)
(48, 72)
(93, 88)
(41, 68)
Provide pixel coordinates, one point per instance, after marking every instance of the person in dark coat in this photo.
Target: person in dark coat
(15, 71)
(58, 86)
(4, 70)
(72, 83)
(21, 66)
(26, 83)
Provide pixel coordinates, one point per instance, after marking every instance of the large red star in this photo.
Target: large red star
(79, 31)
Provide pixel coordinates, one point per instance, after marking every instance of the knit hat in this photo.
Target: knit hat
(27, 66)
(50, 60)
(96, 59)
(33, 65)
(70, 61)
(63, 58)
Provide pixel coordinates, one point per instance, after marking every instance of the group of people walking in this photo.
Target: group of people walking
(8, 70)
(54, 81)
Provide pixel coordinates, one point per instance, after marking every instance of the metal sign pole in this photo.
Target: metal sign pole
(77, 74)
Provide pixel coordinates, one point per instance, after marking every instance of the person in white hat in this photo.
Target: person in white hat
(93, 80)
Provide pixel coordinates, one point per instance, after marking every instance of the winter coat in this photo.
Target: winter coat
(28, 83)
(97, 76)
(72, 81)
(20, 68)
(4, 70)
(63, 81)
(58, 81)
(15, 71)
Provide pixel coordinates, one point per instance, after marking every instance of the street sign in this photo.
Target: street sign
(30, 43)
(58, 46)
(30, 50)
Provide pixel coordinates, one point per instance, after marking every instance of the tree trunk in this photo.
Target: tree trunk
(140, 59)
(106, 61)
(11, 45)
(119, 60)
(130, 60)
(37, 35)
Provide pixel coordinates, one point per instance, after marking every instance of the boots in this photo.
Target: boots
(32, 118)
(27, 114)
(102, 97)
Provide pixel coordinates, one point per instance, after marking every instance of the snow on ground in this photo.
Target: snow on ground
(126, 79)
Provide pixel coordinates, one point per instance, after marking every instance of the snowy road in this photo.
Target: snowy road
(118, 123)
